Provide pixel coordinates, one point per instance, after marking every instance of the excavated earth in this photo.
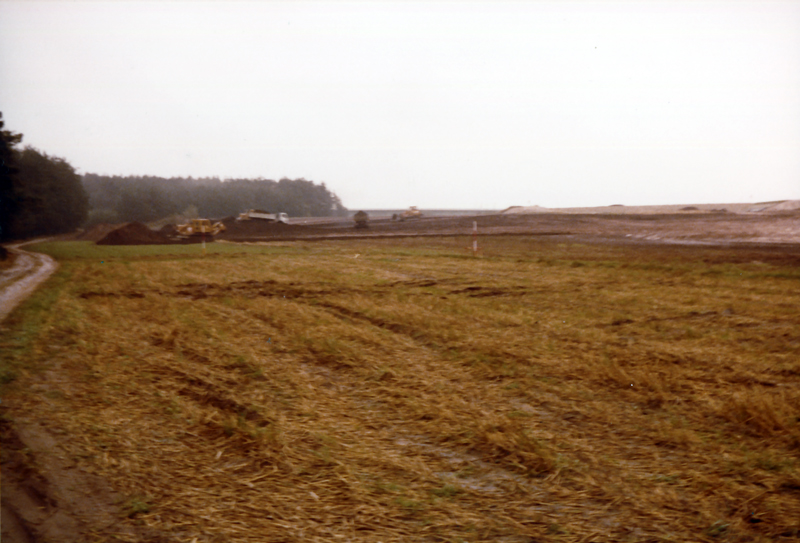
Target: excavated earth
(136, 233)
(133, 233)
(687, 227)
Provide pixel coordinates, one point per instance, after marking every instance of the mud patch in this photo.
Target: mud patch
(47, 497)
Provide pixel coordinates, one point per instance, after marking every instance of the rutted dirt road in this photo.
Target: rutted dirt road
(44, 497)
(29, 271)
(25, 492)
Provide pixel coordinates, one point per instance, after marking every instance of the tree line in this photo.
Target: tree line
(42, 195)
(149, 198)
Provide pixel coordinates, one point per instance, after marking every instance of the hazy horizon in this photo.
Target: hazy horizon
(442, 105)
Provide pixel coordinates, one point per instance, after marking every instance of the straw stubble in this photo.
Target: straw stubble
(314, 397)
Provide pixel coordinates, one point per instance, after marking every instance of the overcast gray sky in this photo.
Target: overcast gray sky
(440, 105)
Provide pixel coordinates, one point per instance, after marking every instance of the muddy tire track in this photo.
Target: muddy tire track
(525, 500)
(209, 390)
(357, 400)
(29, 271)
(643, 458)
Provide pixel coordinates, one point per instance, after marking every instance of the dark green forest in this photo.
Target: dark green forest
(149, 198)
(42, 195)
(39, 194)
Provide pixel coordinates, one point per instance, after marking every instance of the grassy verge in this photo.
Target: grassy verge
(23, 329)
(393, 390)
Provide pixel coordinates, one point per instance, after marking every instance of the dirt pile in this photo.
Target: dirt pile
(134, 233)
(168, 230)
(97, 232)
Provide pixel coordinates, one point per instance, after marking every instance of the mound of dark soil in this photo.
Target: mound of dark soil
(134, 233)
(169, 230)
(97, 232)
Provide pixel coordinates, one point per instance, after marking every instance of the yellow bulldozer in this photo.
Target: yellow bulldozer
(411, 213)
(200, 227)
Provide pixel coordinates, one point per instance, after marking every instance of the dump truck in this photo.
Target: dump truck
(261, 215)
(200, 227)
(411, 213)
(361, 219)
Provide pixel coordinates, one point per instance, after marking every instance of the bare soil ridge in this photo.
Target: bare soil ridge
(46, 497)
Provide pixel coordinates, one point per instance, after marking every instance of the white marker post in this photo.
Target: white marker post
(474, 238)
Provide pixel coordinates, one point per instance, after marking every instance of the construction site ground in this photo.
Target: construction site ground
(682, 227)
(678, 227)
(583, 378)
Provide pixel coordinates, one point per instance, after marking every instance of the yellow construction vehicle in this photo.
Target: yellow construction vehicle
(200, 227)
(411, 213)
(362, 219)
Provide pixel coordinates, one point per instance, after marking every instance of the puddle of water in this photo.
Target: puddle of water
(469, 471)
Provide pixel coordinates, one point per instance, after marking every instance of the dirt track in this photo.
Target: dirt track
(28, 272)
(23, 490)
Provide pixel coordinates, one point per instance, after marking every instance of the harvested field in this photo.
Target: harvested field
(400, 390)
